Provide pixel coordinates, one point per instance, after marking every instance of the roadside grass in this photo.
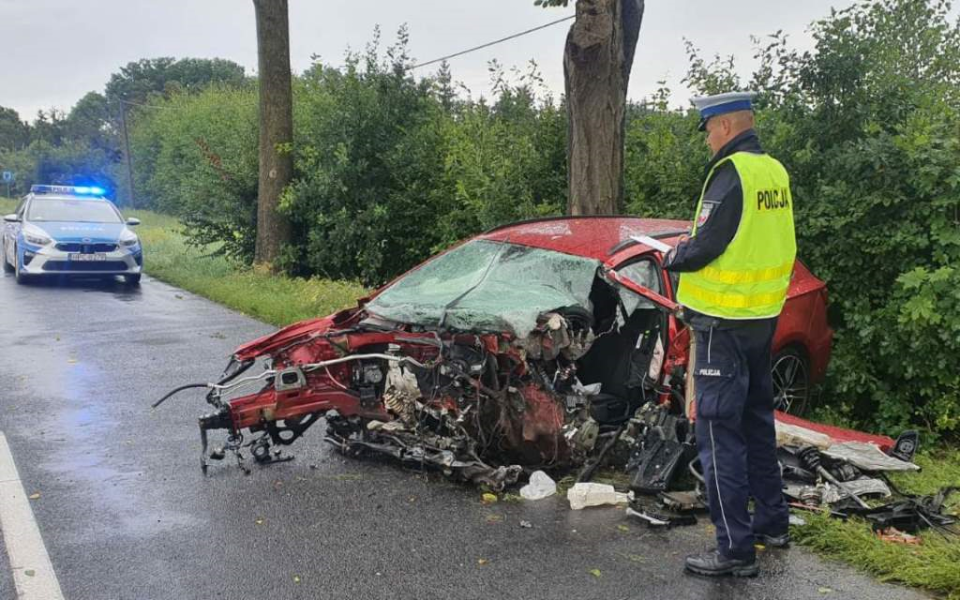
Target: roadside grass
(278, 300)
(932, 565)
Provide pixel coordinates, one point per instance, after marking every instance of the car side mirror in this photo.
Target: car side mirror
(133, 221)
(11, 218)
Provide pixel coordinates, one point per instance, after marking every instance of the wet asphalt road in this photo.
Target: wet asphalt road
(126, 513)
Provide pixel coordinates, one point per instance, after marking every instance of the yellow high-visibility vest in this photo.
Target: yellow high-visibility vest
(750, 279)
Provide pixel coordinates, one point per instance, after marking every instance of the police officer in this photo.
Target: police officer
(734, 273)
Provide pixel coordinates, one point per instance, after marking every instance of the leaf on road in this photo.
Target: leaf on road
(296, 579)
(596, 573)
(29, 572)
(259, 521)
(623, 528)
(35, 496)
(482, 561)
(825, 590)
(71, 360)
(488, 498)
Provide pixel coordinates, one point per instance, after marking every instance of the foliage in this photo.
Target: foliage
(664, 159)
(369, 153)
(392, 169)
(197, 157)
(14, 133)
(70, 163)
(275, 299)
(52, 148)
(144, 80)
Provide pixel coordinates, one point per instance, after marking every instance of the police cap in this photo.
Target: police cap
(718, 104)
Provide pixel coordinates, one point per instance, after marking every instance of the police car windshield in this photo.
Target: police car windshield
(77, 211)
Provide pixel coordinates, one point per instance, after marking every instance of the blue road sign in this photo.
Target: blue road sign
(8, 175)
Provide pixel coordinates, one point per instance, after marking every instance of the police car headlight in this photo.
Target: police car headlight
(129, 239)
(35, 237)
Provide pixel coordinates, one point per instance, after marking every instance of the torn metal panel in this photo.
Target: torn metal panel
(794, 435)
(867, 457)
(858, 487)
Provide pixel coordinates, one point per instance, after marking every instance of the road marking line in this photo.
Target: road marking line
(33, 573)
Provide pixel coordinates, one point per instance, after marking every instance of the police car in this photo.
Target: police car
(72, 231)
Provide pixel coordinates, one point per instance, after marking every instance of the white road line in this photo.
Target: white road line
(33, 573)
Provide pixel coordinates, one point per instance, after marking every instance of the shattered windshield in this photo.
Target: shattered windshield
(488, 286)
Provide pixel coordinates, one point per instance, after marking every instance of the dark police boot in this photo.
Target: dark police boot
(773, 541)
(713, 563)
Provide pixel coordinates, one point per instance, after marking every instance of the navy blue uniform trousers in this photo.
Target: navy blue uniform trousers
(735, 431)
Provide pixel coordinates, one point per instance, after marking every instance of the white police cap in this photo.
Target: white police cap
(718, 104)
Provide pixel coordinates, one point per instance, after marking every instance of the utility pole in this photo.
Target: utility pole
(126, 151)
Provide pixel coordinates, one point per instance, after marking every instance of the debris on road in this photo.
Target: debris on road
(583, 495)
(539, 487)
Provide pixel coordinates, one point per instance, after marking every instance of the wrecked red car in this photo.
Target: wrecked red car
(529, 346)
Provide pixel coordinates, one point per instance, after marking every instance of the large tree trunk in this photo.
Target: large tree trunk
(276, 127)
(596, 65)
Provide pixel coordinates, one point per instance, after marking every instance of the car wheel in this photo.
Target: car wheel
(21, 276)
(791, 381)
(7, 267)
(132, 279)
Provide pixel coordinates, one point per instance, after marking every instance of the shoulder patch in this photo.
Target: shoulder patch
(705, 212)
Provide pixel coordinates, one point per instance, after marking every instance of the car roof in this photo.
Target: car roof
(591, 237)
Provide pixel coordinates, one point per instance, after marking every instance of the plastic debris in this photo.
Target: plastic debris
(582, 495)
(488, 498)
(797, 520)
(540, 486)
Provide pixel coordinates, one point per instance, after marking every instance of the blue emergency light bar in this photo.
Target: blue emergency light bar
(71, 190)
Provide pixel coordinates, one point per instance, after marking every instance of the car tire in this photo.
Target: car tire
(791, 381)
(132, 279)
(7, 267)
(21, 277)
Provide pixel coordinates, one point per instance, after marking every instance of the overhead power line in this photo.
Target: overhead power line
(417, 66)
(493, 43)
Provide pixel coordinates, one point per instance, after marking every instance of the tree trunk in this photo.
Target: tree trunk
(276, 127)
(596, 66)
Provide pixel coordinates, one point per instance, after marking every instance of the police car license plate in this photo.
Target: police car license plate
(88, 257)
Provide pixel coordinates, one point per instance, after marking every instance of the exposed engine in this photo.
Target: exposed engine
(478, 407)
